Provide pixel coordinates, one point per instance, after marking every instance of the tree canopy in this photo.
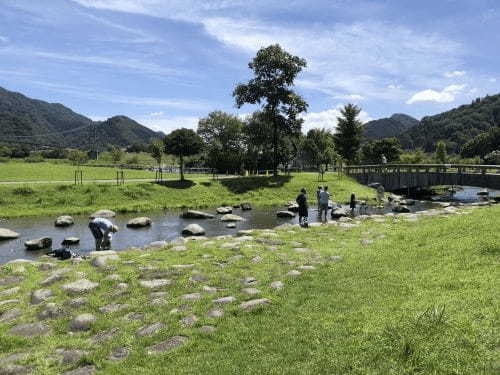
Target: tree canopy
(349, 133)
(372, 151)
(181, 143)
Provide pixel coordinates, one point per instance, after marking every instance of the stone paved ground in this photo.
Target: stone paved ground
(82, 317)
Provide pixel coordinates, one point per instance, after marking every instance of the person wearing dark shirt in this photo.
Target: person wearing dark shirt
(352, 204)
(303, 209)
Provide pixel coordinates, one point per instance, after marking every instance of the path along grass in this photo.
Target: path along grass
(406, 298)
(50, 199)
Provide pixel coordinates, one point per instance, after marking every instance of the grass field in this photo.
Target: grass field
(48, 199)
(406, 298)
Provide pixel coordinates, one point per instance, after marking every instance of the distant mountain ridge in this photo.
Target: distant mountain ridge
(389, 127)
(30, 121)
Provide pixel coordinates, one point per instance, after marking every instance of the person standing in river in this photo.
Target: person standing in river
(102, 230)
(352, 204)
(324, 200)
(380, 194)
(303, 208)
(318, 192)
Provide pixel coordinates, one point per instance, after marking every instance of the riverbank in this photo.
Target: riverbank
(35, 200)
(385, 295)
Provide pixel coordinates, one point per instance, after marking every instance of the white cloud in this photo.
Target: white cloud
(352, 97)
(327, 119)
(394, 87)
(455, 73)
(167, 124)
(447, 95)
(492, 80)
(156, 114)
(3, 39)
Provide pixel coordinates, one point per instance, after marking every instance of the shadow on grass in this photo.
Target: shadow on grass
(244, 184)
(177, 184)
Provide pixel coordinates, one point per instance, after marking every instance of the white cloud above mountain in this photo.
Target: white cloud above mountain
(447, 95)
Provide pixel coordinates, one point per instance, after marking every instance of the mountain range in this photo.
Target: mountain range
(34, 122)
(389, 127)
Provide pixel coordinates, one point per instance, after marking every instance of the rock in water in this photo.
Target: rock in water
(103, 213)
(193, 230)
(285, 214)
(292, 206)
(246, 206)
(139, 222)
(231, 217)
(192, 214)
(39, 243)
(224, 210)
(7, 234)
(339, 212)
(400, 209)
(68, 241)
(231, 225)
(64, 221)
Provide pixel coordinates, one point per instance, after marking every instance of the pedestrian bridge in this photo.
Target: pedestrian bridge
(411, 176)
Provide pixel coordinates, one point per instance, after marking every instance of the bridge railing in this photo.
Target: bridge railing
(426, 168)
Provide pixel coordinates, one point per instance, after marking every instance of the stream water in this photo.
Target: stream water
(167, 225)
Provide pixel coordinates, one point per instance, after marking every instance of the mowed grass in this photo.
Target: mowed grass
(47, 199)
(422, 298)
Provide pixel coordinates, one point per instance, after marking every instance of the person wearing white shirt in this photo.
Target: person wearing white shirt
(324, 199)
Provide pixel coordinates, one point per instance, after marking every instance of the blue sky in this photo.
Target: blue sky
(166, 63)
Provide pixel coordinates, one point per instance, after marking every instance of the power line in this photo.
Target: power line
(48, 134)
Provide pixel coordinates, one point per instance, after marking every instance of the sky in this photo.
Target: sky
(167, 63)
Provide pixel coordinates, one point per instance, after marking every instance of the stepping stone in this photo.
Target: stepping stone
(335, 258)
(158, 294)
(104, 336)
(70, 356)
(307, 268)
(38, 244)
(254, 303)
(224, 210)
(158, 301)
(198, 278)
(103, 213)
(119, 354)
(231, 217)
(215, 313)
(231, 226)
(9, 301)
(157, 245)
(7, 234)
(139, 222)
(245, 232)
(181, 308)
(53, 279)
(189, 321)
(251, 291)
(51, 311)
(102, 261)
(207, 329)
(10, 369)
(69, 241)
(209, 289)
(245, 206)
(231, 245)
(243, 238)
(192, 214)
(46, 266)
(277, 285)
(286, 214)
(10, 292)
(85, 370)
(193, 230)
(82, 322)
(302, 250)
(113, 277)
(257, 259)
(9, 280)
(179, 248)
(294, 273)
(77, 302)
(249, 280)
(134, 316)
(80, 286)
(29, 330)
(224, 300)
(40, 295)
(150, 330)
(191, 297)
(167, 345)
(114, 307)
(155, 284)
(183, 266)
(10, 315)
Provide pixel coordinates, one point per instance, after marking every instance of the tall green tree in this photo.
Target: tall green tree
(349, 133)
(156, 150)
(222, 135)
(116, 154)
(319, 148)
(181, 143)
(372, 151)
(274, 72)
(441, 154)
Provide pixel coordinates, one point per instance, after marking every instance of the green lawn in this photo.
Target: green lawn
(202, 192)
(406, 298)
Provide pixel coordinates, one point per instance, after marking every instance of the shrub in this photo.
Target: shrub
(34, 157)
(23, 190)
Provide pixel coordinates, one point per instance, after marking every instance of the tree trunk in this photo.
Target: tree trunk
(182, 167)
(275, 144)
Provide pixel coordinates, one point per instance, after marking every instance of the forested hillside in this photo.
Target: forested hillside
(389, 127)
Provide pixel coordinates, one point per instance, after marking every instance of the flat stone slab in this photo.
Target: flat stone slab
(64, 221)
(7, 234)
(155, 284)
(85, 370)
(294, 273)
(224, 300)
(10, 291)
(249, 280)
(193, 214)
(251, 291)
(103, 213)
(9, 280)
(193, 230)
(167, 345)
(119, 354)
(40, 295)
(191, 297)
(11, 369)
(104, 336)
(70, 356)
(9, 301)
(307, 268)
(189, 321)
(134, 316)
(68, 241)
(179, 248)
(139, 222)
(50, 311)
(207, 329)
(39, 243)
(114, 307)
(29, 330)
(10, 315)
(215, 313)
(102, 261)
(76, 302)
(254, 303)
(257, 259)
(82, 322)
(150, 330)
(80, 286)
(231, 217)
(277, 285)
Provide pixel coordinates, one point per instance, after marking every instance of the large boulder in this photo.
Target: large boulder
(103, 213)
(139, 222)
(193, 230)
(64, 221)
(400, 209)
(231, 217)
(292, 206)
(68, 241)
(39, 243)
(285, 214)
(192, 214)
(224, 210)
(7, 234)
(339, 212)
(245, 206)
